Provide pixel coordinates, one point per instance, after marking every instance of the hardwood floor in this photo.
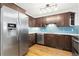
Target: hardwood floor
(39, 50)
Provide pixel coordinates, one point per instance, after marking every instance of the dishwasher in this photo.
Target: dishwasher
(40, 38)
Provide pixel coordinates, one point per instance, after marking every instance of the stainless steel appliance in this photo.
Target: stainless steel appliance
(75, 45)
(40, 38)
(14, 32)
(23, 33)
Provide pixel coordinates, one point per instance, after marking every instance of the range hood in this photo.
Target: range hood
(51, 25)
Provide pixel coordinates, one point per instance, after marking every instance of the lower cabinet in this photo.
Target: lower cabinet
(58, 41)
(31, 39)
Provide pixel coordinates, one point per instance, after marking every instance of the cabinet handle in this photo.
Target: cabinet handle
(75, 40)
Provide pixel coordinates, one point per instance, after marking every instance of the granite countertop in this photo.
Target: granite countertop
(54, 33)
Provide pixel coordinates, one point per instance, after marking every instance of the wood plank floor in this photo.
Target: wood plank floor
(39, 50)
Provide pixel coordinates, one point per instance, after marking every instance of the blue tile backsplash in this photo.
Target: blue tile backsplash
(71, 29)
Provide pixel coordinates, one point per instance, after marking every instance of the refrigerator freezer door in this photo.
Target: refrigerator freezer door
(23, 33)
(9, 42)
(0, 31)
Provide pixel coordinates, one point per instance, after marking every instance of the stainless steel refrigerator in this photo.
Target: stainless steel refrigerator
(14, 32)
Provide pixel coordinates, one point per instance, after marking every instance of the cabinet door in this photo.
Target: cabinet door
(68, 43)
(31, 22)
(38, 22)
(50, 40)
(60, 20)
(60, 41)
(31, 39)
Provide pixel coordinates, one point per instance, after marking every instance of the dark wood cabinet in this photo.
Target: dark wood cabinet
(50, 40)
(31, 39)
(63, 19)
(40, 22)
(69, 44)
(31, 22)
(58, 41)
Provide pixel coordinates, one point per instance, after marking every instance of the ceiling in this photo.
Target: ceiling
(33, 9)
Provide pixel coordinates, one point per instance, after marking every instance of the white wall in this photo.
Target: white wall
(77, 16)
(76, 10)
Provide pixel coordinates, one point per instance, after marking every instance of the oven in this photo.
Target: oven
(75, 46)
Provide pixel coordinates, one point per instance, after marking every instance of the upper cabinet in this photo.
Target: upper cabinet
(56, 19)
(40, 22)
(36, 22)
(63, 19)
(31, 22)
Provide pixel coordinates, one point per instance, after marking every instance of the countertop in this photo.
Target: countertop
(72, 30)
(54, 33)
